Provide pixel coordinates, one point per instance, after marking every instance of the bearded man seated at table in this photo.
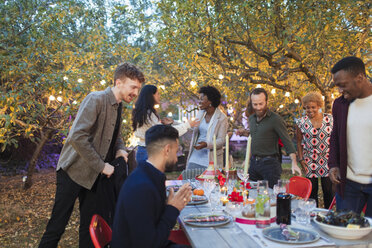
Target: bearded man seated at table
(144, 217)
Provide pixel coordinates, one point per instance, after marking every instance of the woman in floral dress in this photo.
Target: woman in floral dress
(313, 133)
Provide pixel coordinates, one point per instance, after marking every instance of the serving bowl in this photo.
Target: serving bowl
(344, 232)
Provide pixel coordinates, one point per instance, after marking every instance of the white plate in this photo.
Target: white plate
(305, 235)
(226, 220)
(343, 232)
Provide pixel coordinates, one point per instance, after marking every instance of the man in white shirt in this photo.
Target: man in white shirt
(350, 155)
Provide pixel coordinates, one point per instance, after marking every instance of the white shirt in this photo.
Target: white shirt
(152, 121)
(359, 141)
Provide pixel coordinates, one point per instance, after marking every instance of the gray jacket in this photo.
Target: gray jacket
(89, 139)
(218, 126)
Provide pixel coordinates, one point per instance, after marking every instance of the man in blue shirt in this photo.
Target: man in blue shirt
(144, 216)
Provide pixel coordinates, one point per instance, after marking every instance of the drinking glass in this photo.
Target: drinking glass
(215, 200)
(208, 186)
(243, 176)
(283, 185)
(262, 186)
(304, 210)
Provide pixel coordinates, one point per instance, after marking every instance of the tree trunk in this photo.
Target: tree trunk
(327, 102)
(31, 167)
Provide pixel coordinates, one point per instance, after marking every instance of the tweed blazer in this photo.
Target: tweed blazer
(217, 125)
(89, 139)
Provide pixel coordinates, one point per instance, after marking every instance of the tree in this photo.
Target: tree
(53, 53)
(288, 46)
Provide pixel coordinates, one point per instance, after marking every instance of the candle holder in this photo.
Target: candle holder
(224, 200)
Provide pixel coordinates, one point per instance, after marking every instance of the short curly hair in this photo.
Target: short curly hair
(313, 97)
(128, 70)
(212, 94)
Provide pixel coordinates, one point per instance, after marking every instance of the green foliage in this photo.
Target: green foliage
(52, 53)
(289, 46)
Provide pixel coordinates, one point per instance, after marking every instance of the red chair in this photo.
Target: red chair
(300, 186)
(179, 237)
(334, 202)
(100, 231)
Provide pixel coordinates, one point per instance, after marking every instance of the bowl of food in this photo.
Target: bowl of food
(344, 224)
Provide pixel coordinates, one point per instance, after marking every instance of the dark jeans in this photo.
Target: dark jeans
(356, 195)
(141, 154)
(265, 169)
(66, 194)
(326, 188)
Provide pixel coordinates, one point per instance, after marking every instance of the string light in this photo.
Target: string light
(193, 83)
(323, 98)
(80, 80)
(124, 121)
(103, 82)
(231, 118)
(65, 78)
(281, 106)
(333, 96)
(74, 102)
(52, 98)
(287, 94)
(220, 76)
(297, 101)
(162, 87)
(273, 91)
(259, 86)
(59, 99)
(156, 106)
(170, 114)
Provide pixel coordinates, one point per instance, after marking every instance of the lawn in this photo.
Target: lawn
(24, 214)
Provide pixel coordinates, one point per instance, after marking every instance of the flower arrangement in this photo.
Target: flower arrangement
(235, 197)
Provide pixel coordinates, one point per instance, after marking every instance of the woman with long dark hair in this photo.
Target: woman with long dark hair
(144, 116)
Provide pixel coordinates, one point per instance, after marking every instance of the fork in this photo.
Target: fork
(255, 234)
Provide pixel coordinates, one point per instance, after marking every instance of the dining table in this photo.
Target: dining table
(235, 234)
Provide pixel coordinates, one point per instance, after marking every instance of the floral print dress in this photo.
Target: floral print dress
(315, 144)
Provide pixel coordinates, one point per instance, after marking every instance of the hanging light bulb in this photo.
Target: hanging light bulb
(74, 102)
(193, 83)
(103, 82)
(52, 98)
(65, 78)
(273, 91)
(59, 99)
(259, 86)
(281, 106)
(80, 80)
(287, 94)
(297, 101)
(220, 76)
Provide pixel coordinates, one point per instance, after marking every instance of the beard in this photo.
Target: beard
(169, 165)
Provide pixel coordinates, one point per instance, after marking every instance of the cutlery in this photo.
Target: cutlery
(258, 236)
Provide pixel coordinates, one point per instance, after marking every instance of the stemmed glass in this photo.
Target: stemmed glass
(243, 176)
(209, 185)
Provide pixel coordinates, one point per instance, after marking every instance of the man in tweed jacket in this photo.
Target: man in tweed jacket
(93, 141)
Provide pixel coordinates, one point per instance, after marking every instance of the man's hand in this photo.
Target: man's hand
(200, 145)
(180, 199)
(334, 175)
(108, 170)
(122, 153)
(242, 132)
(295, 168)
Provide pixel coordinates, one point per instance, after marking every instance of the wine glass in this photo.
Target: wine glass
(208, 185)
(243, 176)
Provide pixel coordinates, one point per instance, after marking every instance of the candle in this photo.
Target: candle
(247, 155)
(223, 190)
(214, 151)
(224, 200)
(227, 153)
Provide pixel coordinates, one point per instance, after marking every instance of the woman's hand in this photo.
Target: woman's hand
(200, 145)
(167, 121)
(194, 123)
